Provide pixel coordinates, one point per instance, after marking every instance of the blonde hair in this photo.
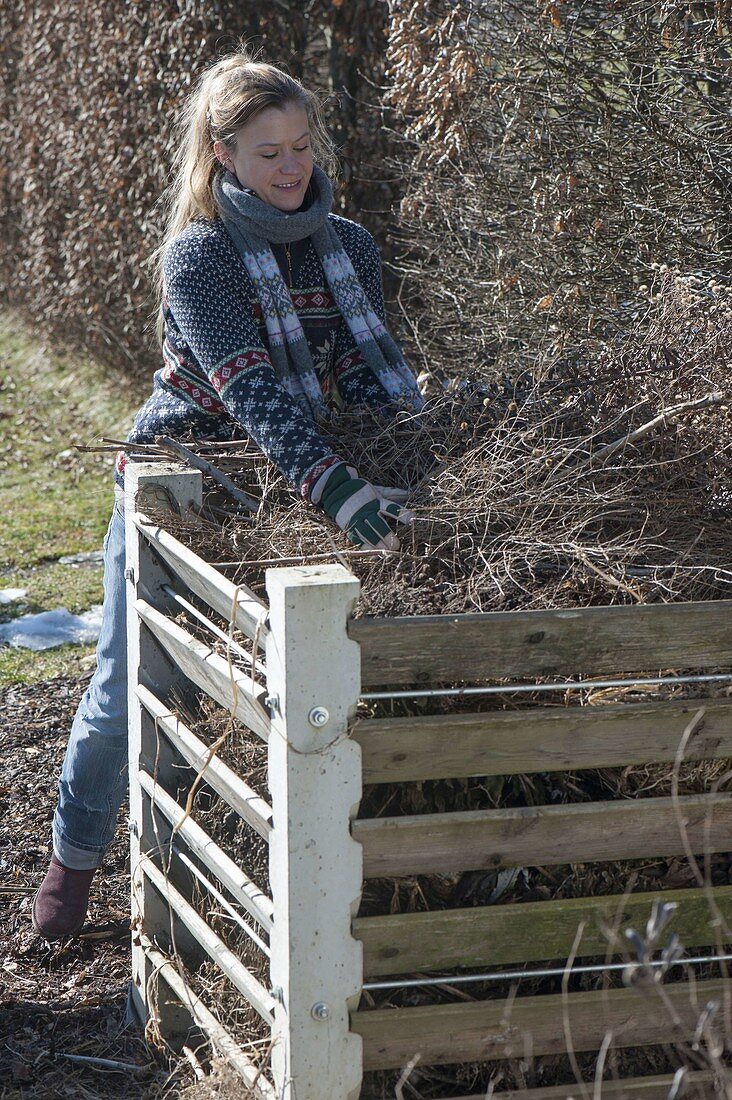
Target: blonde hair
(226, 96)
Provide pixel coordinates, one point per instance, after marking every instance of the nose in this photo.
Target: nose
(290, 166)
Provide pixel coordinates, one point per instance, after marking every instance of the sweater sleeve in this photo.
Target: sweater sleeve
(218, 324)
(354, 378)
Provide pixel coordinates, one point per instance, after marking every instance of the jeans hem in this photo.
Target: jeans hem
(77, 858)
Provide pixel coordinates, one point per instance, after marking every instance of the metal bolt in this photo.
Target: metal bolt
(129, 573)
(320, 1011)
(318, 716)
(272, 703)
(278, 993)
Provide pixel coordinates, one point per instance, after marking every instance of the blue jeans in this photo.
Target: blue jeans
(93, 778)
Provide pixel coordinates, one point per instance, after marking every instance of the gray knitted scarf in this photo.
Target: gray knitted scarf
(252, 223)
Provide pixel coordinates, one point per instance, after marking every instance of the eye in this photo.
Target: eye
(302, 150)
(268, 156)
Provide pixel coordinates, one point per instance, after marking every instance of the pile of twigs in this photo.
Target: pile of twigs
(584, 485)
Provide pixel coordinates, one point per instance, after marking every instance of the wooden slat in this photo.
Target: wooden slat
(533, 835)
(236, 881)
(238, 794)
(594, 641)
(201, 578)
(452, 746)
(486, 1030)
(230, 687)
(257, 1084)
(644, 1088)
(499, 935)
(251, 988)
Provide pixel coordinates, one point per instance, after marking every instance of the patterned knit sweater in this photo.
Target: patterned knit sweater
(218, 377)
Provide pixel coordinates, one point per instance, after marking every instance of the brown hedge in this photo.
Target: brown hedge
(556, 157)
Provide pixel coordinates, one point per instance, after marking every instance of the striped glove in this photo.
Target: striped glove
(364, 511)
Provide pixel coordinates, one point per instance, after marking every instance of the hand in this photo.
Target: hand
(398, 496)
(363, 510)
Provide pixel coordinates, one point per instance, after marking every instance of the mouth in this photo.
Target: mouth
(288, 186)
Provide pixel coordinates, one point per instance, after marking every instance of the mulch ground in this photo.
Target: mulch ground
(69, 998)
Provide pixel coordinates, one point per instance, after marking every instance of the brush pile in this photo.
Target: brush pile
(586, 484)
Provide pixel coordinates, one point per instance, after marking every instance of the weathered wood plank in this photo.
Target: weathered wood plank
(523, 644)
(499, 935)
(532, 835)
(221, 594)
(644, 1088)
(234, 878)
(486, 1030)
(452, 746)
(238, 794)
(259, 997)
(259, 1088)
(229, 686)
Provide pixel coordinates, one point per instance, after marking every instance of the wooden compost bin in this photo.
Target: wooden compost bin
(312, 662)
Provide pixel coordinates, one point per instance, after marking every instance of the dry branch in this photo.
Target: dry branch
(659, 421)
(173, 446)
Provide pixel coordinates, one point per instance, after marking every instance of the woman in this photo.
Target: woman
(271, 317)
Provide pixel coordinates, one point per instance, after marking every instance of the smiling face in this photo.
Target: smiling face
(272, 155)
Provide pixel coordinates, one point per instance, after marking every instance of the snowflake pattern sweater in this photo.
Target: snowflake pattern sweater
(218, 376)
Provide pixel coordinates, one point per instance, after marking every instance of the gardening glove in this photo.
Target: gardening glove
(359, 509)
(396, 496)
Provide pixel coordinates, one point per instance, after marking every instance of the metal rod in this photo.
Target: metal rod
(565, 685)
(192, 610)
(231, 911)
(550, 972)
(297, 558)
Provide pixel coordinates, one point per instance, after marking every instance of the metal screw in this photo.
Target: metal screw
(129, 573)
(318, 716)
(272, 703)
(278, 993)
(320, 1011)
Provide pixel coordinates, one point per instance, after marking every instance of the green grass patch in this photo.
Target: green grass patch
(53, 585)
(55, 500)
(25, 666)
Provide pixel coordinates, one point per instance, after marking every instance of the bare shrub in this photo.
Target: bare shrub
(553, 155)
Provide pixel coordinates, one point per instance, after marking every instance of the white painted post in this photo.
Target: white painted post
(314, 681)
(147, 485)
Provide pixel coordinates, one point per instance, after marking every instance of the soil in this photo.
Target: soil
(67, 998)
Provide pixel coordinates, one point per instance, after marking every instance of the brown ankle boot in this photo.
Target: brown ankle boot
(59, 907)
